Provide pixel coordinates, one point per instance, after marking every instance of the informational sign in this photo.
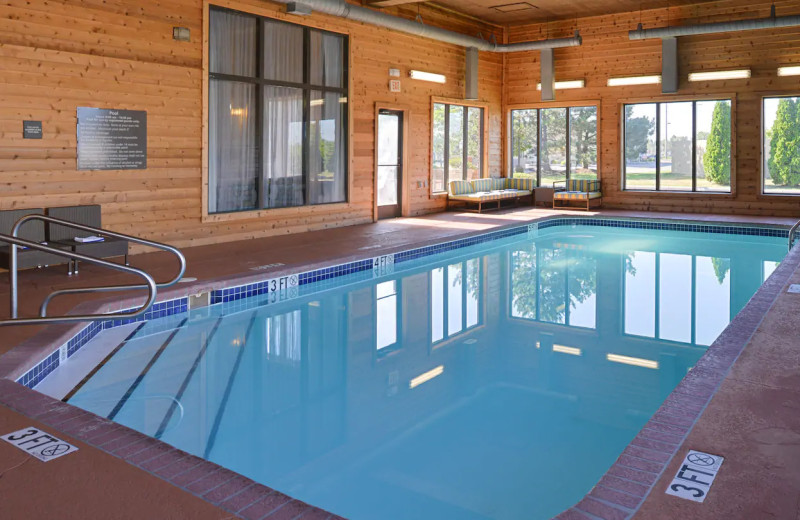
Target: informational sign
(112, 139)
(794, 288)
(41, 445)
(31, 129)
(394, 85)
(695, 476)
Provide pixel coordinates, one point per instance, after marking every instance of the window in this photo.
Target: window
(554, 144)
(554, 285)
(386, 321)
(675, 297)
(455, 299)
(678, 146)
(457, 144)
(277, 114)
(781, 143)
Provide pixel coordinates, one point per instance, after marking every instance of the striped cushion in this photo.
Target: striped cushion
(520, 184)
(460, 187)
(482, 185)
(498, 183)
(486, 196)
(583, 185)
(577, 195)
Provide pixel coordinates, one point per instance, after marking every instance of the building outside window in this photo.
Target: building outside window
(781, 146)
(678, 146)
(554, 144)
(458, 147)
(277, 114)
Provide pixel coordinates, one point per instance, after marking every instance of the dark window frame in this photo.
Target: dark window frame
(465, 137)
(307, 88)
(568, 138)
(657, 188)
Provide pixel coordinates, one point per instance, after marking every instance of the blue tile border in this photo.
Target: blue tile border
(288, 286)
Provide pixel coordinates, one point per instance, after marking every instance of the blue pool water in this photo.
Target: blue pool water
(493, 382)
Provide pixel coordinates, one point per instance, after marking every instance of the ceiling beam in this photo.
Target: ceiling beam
(388, 3)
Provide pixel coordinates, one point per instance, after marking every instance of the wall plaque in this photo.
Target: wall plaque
(31, 129)
(112, 139)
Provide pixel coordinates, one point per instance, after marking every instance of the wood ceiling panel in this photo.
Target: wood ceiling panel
(513, 12)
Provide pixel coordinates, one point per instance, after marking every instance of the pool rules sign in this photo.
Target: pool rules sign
(112, 139)
(695, 476)
(41, 445)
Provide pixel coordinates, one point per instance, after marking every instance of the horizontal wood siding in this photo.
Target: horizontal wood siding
(607, 52)
(57, 55)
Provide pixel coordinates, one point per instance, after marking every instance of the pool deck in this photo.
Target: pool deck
(747, 413)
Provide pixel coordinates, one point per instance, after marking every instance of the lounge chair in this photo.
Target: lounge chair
(578, 190)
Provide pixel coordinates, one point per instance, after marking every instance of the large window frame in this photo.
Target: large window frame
(308, 89)
(763, 146)
(567, 132)
(483, 132)
(730, 97)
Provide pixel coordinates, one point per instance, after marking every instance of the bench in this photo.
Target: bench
(489, 191)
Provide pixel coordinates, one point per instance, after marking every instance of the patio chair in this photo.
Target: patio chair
(33, 231)
(89, 216)
(578, 190)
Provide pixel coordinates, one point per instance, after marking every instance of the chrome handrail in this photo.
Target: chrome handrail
(15, 242)
(792, 232)
(99, 231)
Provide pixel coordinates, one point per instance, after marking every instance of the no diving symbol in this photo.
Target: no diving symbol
(701, 459)
(55, 451)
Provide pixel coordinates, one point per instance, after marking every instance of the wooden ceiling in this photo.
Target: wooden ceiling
(512, 12)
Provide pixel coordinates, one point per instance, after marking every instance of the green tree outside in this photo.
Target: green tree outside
(637, 134)
(784, 160)
(717, 158)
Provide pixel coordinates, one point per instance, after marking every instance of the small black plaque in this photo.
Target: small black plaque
(31, 129)
(112, 139)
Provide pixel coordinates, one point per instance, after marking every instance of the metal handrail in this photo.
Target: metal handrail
(15, 242)
(90, 259)
(105, 232)
(792, 232)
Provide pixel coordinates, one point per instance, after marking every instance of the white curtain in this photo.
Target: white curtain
(283, 51)
(327, 59)
(282, 184)
(232, 120)
(326, 179)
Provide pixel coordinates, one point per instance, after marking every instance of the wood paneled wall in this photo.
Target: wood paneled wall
(607, 52)
(57, 55)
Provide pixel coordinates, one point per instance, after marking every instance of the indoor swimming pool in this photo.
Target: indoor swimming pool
(496, 381)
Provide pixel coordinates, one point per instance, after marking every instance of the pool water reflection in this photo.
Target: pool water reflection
(497, 383)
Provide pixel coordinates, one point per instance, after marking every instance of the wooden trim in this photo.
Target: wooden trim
(485, 159)
(679, 99)
(273, 212)
(553, 104)
(762, 195)
(405, 191)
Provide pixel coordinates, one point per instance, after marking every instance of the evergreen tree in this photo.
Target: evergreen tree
(637, 134)
(784, 146)
(717, 158)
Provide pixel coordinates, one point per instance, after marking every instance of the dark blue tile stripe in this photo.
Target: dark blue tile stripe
(232, 294)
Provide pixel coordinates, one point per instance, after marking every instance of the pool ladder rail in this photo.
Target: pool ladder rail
(149, 283)
(792, 232)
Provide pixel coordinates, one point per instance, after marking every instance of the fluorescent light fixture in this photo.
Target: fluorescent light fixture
(714, 75)
(427, 76)
(635, 361)
(238, 112)
(317, 102)
(794, 70)
(563, 85)
(634, 80)
(572, 351)
(427, 376)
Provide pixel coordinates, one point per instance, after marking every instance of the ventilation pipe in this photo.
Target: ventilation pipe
(769, 22)
(548, 75)
(342, 9)
(471, 76)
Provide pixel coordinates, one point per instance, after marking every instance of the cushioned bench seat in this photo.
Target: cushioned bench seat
(481, 191)
(580, 190)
